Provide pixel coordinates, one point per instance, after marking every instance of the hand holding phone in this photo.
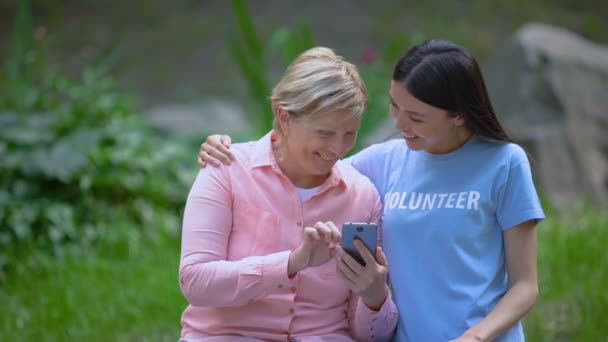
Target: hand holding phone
(367, 282)
(365, 232)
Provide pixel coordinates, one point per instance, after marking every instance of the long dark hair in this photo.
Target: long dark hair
(445, 75)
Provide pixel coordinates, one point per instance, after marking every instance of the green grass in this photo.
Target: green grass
(99, 297)
(573, 273)
(131, 294)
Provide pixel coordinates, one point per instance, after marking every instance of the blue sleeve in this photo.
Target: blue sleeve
(362, 161)
(372, 163)
(518, 201)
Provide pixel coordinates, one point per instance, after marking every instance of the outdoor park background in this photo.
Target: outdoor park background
(93, 179)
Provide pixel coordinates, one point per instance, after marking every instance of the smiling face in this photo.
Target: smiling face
(311, 145)
(424, 127)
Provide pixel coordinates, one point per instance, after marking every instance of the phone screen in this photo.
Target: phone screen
(364, 231)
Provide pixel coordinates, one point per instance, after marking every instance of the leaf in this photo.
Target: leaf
(27, 129)
(247, 30)
(5, 240)
(8, 118)
(21, 219)
(55, 235)
(290, 44)
(62, 162)
(23, 37)
(3, 149)
(70, 154)
(277, 42)
(85, 182)
(61, 219)
(21, 188)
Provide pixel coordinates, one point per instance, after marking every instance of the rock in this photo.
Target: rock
(213, 115)
(549, 87)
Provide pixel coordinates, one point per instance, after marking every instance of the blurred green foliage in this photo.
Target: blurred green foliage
(113, 293)
(572, 266)
(22, 38)
(252, 52)
(83, 178)
(79, 166)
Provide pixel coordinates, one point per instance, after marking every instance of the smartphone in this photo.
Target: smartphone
(364, 231)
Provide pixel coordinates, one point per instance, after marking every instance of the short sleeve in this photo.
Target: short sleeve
(372, 163)
(518, 201)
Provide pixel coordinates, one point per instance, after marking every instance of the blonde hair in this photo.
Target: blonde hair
(318, 82)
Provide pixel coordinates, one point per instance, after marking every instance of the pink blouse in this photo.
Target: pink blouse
(240, 224)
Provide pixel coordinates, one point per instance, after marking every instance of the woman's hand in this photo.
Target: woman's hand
(318, 246)
(215, 149)
(367, 281)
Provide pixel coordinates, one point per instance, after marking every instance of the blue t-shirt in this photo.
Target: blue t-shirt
(443, 223)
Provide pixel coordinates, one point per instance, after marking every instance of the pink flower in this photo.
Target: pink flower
(39, 33)
(369, 56)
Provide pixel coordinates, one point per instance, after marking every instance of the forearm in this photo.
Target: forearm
(295, 262)
(376, 301)
(232, 283)
(515, 304)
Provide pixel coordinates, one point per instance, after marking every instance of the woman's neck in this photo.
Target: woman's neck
(290, 168)
(460, 139)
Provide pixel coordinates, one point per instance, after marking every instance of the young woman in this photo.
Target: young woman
(460, 207)
(259, 238)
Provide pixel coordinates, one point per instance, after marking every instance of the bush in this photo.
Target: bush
(77, 160)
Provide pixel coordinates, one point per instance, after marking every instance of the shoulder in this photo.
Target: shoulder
(507, 154)
(380, 152)
(386, 148)
(246, 154)
(513, 153)
(244, 151)
(354, 180)
(243, 157)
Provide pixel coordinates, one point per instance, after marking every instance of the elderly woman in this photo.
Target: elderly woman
(259, 237)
